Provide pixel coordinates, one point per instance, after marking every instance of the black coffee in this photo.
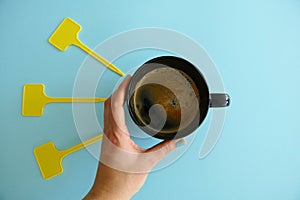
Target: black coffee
(165, 100)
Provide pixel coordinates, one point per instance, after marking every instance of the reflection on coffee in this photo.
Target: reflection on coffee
(166, 100)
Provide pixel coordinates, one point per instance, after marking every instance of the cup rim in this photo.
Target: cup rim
(179, 64)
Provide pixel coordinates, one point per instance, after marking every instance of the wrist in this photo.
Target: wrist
(108, 185)
(105, 195)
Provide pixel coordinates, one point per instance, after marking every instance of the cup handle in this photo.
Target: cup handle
(219, 100)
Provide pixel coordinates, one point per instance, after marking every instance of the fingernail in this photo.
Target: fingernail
(180, 144)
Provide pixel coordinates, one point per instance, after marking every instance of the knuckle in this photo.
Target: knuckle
(107, 103)
(114, 140)
(167, 148)
(170, 147)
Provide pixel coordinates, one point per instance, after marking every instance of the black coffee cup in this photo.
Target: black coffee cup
(168, 97)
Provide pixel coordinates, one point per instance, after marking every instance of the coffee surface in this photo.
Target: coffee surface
(166, 100)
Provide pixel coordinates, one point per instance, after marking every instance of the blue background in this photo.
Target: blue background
(256, 46)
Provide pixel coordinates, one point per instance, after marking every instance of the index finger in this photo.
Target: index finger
(117, 104)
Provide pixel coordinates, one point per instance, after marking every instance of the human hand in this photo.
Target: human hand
(123, 166)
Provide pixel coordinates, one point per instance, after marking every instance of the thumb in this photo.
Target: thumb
(162, 149)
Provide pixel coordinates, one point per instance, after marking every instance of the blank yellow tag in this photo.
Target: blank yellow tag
(49, 158)
(67, 34)
(34, 100)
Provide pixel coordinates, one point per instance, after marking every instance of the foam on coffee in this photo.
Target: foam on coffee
(174, 91)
